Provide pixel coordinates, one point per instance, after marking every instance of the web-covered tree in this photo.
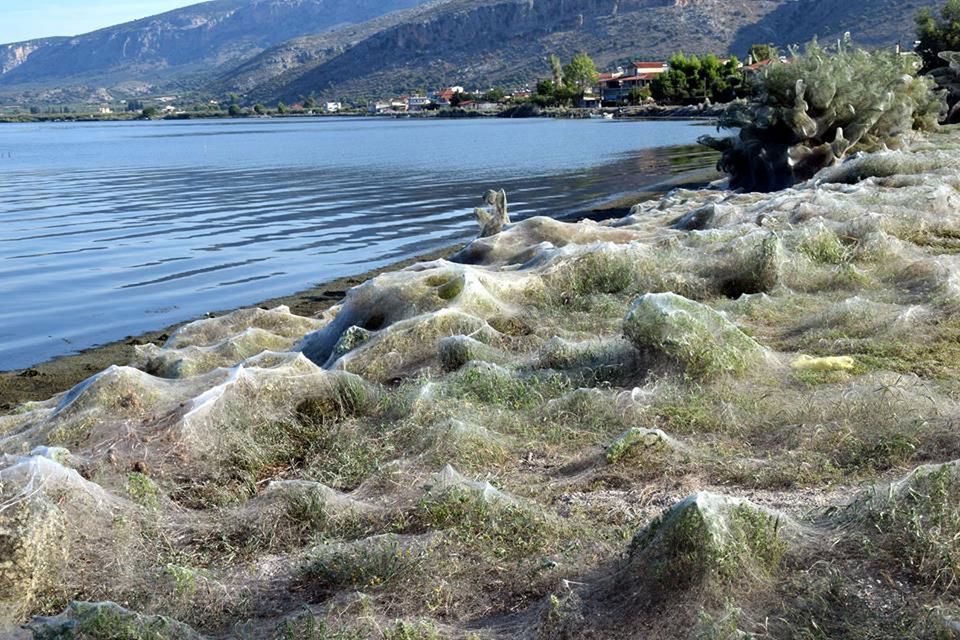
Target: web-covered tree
(810, 112)
(762, 52)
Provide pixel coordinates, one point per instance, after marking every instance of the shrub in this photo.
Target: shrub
(811, 111)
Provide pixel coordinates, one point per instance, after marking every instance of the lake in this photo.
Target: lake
(112, 229)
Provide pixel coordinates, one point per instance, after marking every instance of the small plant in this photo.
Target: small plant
(593, 274)
(409, 631)
(367, 565)
(143, 490)
(920, 525)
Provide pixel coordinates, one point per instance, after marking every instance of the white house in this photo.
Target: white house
(418, 103)
(332, 107)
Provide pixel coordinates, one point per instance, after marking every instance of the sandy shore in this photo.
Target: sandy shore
(47, 379)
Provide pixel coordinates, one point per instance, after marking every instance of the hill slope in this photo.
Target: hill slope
(196, 39)
(272, 50)
(487, 42)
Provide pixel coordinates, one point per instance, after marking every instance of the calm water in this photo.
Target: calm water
(112, 229)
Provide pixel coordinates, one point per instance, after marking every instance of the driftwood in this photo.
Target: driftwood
(493, 220)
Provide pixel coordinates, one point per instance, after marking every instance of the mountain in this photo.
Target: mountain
(488, 42)
(197, 40)
(269, 50)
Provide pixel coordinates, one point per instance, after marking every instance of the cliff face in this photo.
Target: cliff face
(197, 38)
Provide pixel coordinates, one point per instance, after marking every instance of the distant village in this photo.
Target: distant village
(630, 84)
(612, 89)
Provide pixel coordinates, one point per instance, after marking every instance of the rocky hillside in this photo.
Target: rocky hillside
(488, 42)
(272, 50)
(196, 39)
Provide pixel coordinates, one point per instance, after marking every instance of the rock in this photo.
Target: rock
(696, 336)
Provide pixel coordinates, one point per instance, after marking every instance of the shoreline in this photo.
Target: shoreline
(637, 112)
(46, 379)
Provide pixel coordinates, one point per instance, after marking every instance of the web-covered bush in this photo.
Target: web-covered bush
(815, 108)
(948, 79)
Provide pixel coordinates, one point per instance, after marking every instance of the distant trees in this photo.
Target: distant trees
(281, 108)
(937, 34)
(259, 109)
(235, 110)
(150, 112)
(638, 95)
(697, 79)
(568, 83)
(581, 73)
(495, 95)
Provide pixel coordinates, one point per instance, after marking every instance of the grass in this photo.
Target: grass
(565, 424)
(918, 524)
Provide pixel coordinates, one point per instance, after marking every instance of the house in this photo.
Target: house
(332, 107)
(398, 104)
(106, 110)
(444, 97)
(615, 87)
(418, 103)
(378, 107)
(589, 101)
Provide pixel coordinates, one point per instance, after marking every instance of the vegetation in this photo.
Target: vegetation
(762, 53)
(817, 108)
(569, 82)
(938, 33)
(692, 79)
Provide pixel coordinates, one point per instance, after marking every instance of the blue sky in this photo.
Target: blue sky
(27, 19)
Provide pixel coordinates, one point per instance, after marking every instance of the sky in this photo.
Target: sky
(28, 19)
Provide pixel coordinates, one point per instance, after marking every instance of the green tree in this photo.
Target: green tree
(150, 112)
(546, 88)
(638, 94)
(259, 109)
(495, 95)
(937, 34)
(281, 108)
(581, 73)
(235, 110)
(762, 52)
(696, 79)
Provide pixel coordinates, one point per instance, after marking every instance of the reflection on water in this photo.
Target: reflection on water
(114, 229)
